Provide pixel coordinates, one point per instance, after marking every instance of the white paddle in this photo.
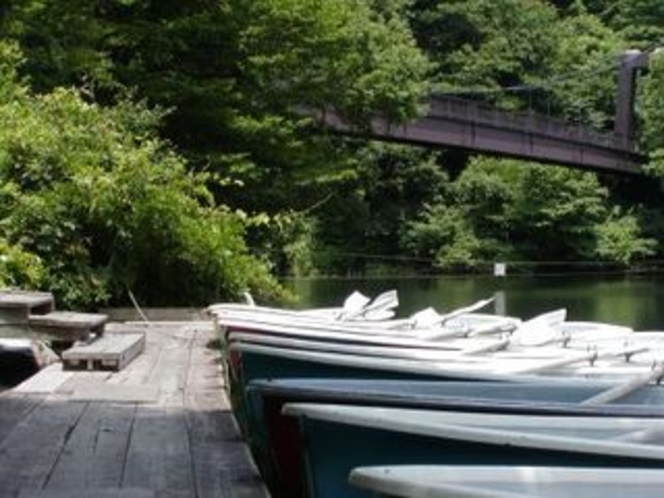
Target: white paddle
(621, 390)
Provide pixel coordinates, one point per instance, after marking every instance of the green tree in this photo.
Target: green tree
(235, 76)
(583, 66)
(395, 182)
(510, 210)
(444, 235)
(639, 20)
(620, 239)
(555, 212)
(487, 46)
(233, 72)
(95, 204)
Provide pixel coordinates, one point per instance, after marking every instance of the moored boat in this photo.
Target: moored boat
(427, 324)
(335, 439)
(277, 432)
(356, 306)
(637, 398)
(247, 362)
(432, 481)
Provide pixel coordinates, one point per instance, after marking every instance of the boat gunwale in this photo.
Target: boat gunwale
(400, 421)
(414, 479)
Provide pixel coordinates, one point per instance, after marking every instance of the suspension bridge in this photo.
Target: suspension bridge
(456, 123)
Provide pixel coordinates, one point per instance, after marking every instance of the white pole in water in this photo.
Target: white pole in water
(499, 303)
(499, 269)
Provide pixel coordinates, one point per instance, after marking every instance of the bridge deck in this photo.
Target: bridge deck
(468, 125)
(159, 428)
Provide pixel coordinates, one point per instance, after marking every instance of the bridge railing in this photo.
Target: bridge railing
(443, 106)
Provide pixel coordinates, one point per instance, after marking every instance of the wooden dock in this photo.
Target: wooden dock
(161, 427)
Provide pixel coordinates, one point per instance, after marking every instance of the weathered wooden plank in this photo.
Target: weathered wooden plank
(159, 456)
(170, 372)
(31, 449)
(221, 462)
(89, 493)
(94, 455)
(115, 393)
(46, 381)
(125, 328)
(206, 370)
(82, 379)
(142, 367)
(13, 409)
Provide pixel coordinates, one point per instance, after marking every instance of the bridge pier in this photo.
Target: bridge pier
(630, 62)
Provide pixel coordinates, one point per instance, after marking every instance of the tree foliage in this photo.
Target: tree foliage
(486, 45)
(254, 174)
(94, 205)
(235, 74)
(507, 210)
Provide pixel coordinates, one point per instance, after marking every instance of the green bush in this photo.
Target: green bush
(96, 206)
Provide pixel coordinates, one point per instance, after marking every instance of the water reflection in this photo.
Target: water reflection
(631, 300)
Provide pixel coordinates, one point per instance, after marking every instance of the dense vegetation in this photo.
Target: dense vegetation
(161, 148)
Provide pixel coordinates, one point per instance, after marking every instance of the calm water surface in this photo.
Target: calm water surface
(632, 300)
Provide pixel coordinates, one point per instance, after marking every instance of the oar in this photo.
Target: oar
(520, 331)
(466, 309)
(364, 307)
(353, 304)
(428, 319)
(383, 302)
(535, 332)
(540, 330)
(591, 356)
(621, 390)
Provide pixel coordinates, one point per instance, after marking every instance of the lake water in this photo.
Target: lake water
(632, 300)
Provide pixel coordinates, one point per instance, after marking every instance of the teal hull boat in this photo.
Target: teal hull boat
(336, 439)
(247, 362)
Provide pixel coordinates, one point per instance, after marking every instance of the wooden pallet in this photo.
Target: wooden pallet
(111, 352)
(67, 325)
